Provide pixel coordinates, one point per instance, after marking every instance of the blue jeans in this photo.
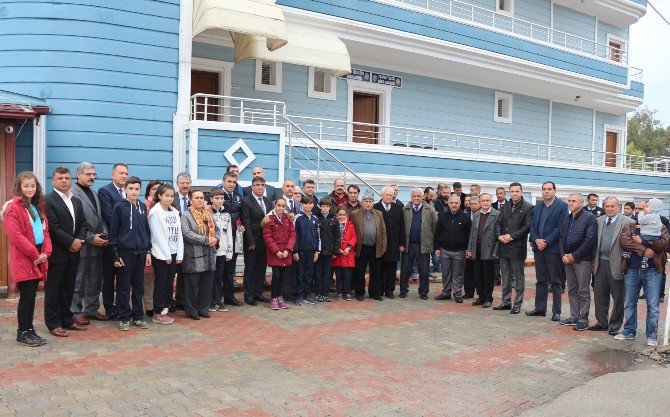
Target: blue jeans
(650, 280)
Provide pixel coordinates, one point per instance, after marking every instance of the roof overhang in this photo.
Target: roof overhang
(22, 112)
(621, 13)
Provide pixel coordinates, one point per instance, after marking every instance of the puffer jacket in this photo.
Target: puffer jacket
(279, 235)
(348, 239)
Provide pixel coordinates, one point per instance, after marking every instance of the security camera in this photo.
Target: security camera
(9, 129)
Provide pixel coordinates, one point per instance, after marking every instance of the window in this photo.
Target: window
(503, 108)
(268, 76)
(321, 84)
(505, 6)
(616, 48)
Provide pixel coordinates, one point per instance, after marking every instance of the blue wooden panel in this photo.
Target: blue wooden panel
(534, 11)
(24, 147)
(572, 126)
(605, 28)
(573, 22)
(431, 26)
(212, 144)
(636, 89)
(74, 123)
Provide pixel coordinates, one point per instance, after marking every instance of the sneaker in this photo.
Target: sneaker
(25, 337)
(282, 303)
(299, 302)
(124, 325)
(326, 299)
(164, 311)
(310, 300)
(161, 319)
(274, 303)
(624, 336)
(141, 324)
(340, 297)
(581, 326)
(221, 308)
(568, 322)
(348, 297)
(319, 299)
(652, 342)
(35, 336)
(213, 308)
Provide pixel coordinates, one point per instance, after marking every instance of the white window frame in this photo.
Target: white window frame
(509, 12)
(225, 70)
(502, 96)
(622, 51)
(621, 142)
(384, 93)
(332, 95)
(277, 88)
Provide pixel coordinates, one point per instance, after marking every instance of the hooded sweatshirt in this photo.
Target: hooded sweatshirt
(129, 228)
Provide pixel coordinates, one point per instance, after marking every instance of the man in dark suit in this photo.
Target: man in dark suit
(109, 195)
(545, 229)
(394, 220)
(235, 170)
(287, 193)
(501, 199)
(483, 249)
(513, 227)
(254, 208)
(232, 204)
(68, 228)
(592, 206)
(270, 191)
(86, 299)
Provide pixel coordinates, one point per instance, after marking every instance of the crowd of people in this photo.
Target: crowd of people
(85, 243)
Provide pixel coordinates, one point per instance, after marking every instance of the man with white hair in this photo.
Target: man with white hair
(578, 239)
(420, 222)
(394, 221)
(370, 247)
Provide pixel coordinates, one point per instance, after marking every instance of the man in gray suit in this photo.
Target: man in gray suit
(483, 250)
(609, 278)
(88, 281)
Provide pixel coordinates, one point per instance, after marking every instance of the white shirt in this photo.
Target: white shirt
(67, 198)
(181, 201)
(120, 190)
(290, 203)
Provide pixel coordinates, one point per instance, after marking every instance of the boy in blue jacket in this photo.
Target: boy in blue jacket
(307, 248)
(129, 238)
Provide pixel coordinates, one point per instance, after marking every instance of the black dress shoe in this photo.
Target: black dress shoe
(468, 296)
(555, 317)
(443, 296)
(503, 307)
(250, 301)
(234, 302)
(598, 328)
(402, 295)
(478, 302)
(377, 297)
(360, 298)
(390, 295)
(613, 332)
(193, 316)
(205, 315)
(515, 310)
(261, 299)
(424, 297)
(486, 305)
(459, 300)
(536, 313)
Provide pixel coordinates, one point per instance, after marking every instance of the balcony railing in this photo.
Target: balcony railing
(273, 113)
(469, 13)
(636, 74)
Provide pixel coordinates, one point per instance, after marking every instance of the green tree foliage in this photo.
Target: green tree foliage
(646, 135)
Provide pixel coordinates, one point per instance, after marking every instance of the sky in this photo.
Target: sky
(649, 44)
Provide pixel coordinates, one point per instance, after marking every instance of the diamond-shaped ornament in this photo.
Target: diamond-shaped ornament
(240, 145)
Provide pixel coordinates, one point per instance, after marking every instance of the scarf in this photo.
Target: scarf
(204, 221)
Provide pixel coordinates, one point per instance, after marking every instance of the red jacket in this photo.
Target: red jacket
(22, 249)
(349, 238)
(279, 236)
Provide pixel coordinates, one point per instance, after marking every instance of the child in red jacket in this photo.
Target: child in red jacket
(29, 250)
(279, 236)
(344, 262)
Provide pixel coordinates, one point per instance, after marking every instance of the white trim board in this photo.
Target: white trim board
(40, 148)
(384, 93)
(181, 116)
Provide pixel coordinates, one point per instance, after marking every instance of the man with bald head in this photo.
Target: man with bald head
(395, 240)
(270, 191)
(339, 197)
(451, 242)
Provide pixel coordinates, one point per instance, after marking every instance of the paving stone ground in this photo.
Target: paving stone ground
(402, 357)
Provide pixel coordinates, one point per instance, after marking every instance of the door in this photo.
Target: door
(366, 110)
(206, 82)
(610, 149)
(7, 168)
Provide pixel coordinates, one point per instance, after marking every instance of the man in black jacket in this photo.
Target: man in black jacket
(232, 204)
(513, 227)
(451, 242)
(579, 235)
(394, 220)
(68, 227)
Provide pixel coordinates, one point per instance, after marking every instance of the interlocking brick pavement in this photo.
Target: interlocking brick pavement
(402, 357)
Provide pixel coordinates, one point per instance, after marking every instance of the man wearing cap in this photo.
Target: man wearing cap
(370, 247)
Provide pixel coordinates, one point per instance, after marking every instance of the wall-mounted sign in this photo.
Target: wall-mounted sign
(374, 77)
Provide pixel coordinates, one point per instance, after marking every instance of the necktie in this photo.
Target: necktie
(290, 205)
(121, 192)
(609, 221)
(416, 208)
(260, 203)
(185, 204)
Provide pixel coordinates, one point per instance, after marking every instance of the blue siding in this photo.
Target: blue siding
(636, 89)
(109, 72)
(431, 26)
(575, 23)
(572, 126)
(605, 28)
(534, 11)
(24, 147)
(213, 143)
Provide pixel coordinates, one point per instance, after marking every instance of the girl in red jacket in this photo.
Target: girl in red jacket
(344, 261)
(279, 236)
(29, 249)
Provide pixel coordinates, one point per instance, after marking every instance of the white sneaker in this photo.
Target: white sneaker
(164, 312)
(652, 342)
(622, 336)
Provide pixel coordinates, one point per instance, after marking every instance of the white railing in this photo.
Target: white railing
(306, 136)
(636, 74)
(490, 18)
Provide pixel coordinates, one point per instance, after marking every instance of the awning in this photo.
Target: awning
(22, 112)
(250, 17)
(308, 48)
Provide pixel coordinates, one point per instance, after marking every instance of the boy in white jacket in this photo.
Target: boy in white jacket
(224, 252)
